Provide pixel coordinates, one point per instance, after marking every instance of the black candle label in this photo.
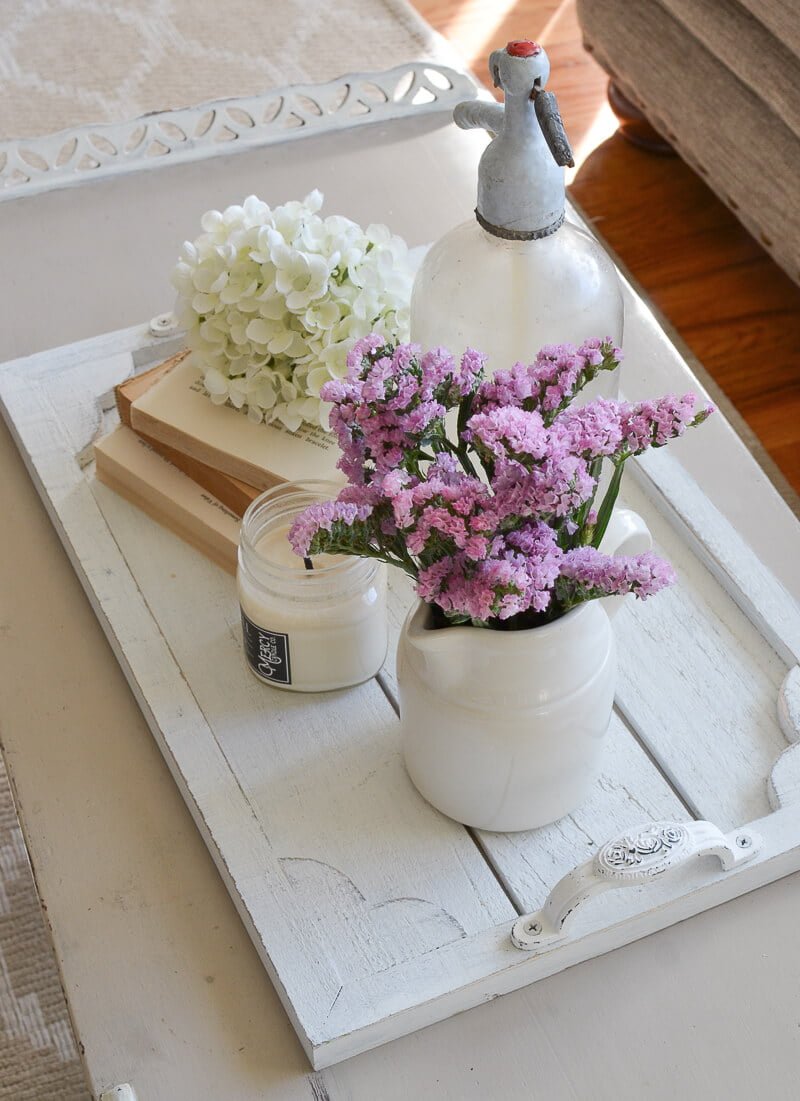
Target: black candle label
(267, 652)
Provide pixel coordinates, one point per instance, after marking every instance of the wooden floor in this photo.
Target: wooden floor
(731, 304)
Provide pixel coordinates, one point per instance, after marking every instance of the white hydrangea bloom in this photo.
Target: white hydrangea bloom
(273, 299)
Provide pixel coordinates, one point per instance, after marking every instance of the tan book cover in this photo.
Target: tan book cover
(132, 388)
(178, 414)
(231, 492)
(128, 464)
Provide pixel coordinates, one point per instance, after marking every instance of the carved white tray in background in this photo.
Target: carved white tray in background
(31, 165)
(373, 914)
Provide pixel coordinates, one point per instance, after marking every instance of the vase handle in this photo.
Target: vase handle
(632, 859)
(626, 534)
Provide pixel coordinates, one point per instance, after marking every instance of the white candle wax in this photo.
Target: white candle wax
(306, 630)
(276, 548)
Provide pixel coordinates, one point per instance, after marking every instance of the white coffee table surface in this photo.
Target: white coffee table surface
(166, 989)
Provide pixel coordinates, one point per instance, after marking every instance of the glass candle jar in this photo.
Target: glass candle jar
(308, 630)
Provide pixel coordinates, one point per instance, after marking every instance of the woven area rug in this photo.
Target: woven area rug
(39, 1058)
(65, 63)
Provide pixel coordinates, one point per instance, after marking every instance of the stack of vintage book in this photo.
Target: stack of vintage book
(195, 466)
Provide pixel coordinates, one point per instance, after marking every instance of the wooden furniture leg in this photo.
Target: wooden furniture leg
(634, 126)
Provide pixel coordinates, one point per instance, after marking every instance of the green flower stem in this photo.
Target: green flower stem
(595, 470)
(464, 413)
(460, 451)
(463, 457)
(405, 563)
(610, 499)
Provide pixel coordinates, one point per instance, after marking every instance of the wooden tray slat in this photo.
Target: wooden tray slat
(700, 683)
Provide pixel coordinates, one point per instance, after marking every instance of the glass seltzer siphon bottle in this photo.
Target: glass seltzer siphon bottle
(518, 276)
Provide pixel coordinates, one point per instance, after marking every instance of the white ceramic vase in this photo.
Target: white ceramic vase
(504, 730)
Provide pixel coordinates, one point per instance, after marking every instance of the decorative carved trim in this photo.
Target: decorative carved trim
(227, 126)
(783, 783)
(789, 705)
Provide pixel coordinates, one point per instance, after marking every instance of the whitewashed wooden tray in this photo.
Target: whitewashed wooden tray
(373, 914)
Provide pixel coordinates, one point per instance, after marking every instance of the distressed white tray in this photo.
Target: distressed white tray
(373, 914)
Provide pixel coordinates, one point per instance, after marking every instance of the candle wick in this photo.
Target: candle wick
(309, 565)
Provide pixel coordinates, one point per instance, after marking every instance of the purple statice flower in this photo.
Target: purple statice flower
(492, 588)
(392, 399)
(306, 526)
(554, 487)
(447, 468)
(613, 428)
(364, 497)
(433, 579)
(508, 433)
(552, 380)
(467, 378)
(436, 367)
(537, 543)
(558, 368)
(536, 540)
(512, 579)
(593, 431)
(501, 521)
(509, 388)
(653, 423)
(595, 573)
(443, 514)
(594, 351)
(345, 397)
(387, 403)
(353, 506)
(364, 348)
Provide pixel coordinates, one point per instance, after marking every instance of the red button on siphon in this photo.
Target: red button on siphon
(523, 47)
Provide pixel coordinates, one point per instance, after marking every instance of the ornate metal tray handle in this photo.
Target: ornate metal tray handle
(635, 857)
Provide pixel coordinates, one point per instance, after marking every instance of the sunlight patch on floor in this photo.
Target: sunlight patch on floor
(545, 35)
(473, 25)
(601, 128)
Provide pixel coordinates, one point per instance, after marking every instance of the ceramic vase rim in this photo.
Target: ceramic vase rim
(525, 632)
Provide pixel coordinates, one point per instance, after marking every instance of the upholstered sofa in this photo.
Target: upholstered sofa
(720, 80)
